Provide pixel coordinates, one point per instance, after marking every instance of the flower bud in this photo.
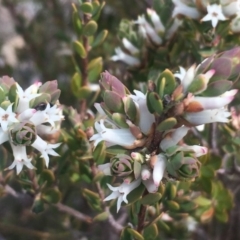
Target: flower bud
(23, 133)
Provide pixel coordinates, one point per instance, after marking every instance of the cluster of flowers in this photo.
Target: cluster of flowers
(151, 33)
(206, 11)
(27, 115)
(151, 126)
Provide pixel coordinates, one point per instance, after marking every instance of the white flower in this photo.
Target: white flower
(198, 150)
(173, 137)
(129, 46)
(20, 158)
(26, 96)
(181, 74)
(45, 148)
(230, 8)
(214, 14)
(158, 26)
(115, 136)
(124, 57)
(216, 102)
(7, 117)
(208, 116)
(159, 168)
(175, 25)
(122, 191)
(182, 9)
(148, 30)
(146, 119)
(50, 115)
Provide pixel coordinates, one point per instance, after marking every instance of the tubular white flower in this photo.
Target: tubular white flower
(20, 158)
(230, 8)
(145, 172)
(183, 9)
(159, 169)
(122, 191)
(25, 97)
(149, 184)
(129, 46)
(170, 31)
(216, 102)
(173, 137)
(214, 15)
(124, 57)
(198, 150)
(45, 148)
(155, 20)
(7, 117)
(146, 119)
(208, 116)
(116, 136)
(149, 30)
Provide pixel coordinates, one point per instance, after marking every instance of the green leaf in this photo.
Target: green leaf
(93, 199)
(77, 23)
(94, 69)
(90, 28)
(217, 88)
(51, 195)
(135, 234)
(151, 198)
(86, 7)
(170, 82)
(46, 176)
(167, 124)
(134, 195)
(100, 38)
(78, 47)
(101, 217)
(97, 8)
(84, 92)
(99, 153)
(113, 150)
(172, 205)
(38, 206)
(202, 201)
(2, 95)
(125, 235)
(154, 103)
(150, 232)
(76, 83)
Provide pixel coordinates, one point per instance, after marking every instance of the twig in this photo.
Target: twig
(114, 224)
(141, 215)
(63, 208)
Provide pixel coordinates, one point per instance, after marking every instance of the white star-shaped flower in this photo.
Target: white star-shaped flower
(20, 158)
(6, 117)
(214, 15)
(122, 191)
(26, 96)
(45, 148)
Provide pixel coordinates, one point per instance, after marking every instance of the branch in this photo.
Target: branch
(72, 212)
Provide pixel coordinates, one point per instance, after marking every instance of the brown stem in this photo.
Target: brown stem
(84, 65)
(63, 208)
(141, 216)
